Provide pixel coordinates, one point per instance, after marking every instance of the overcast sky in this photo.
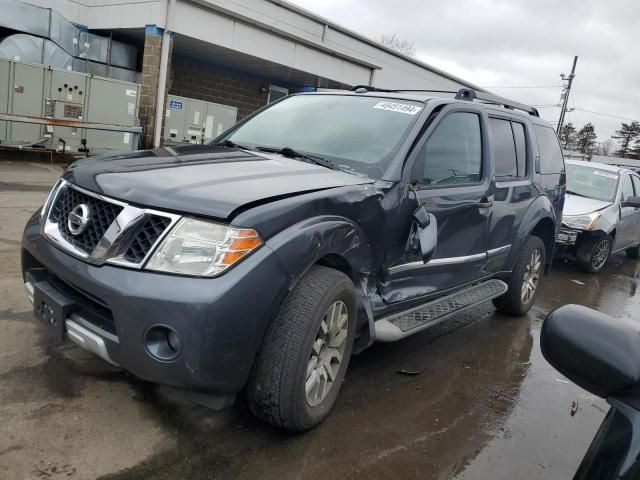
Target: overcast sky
(507, 43)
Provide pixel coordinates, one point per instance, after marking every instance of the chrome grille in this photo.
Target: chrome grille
(102, 216)
(148, 234)
(116, 233)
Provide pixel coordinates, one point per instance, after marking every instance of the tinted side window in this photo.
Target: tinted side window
(636, 184)
(551, 160)
(521, 148)
(627, 188)
(504, 148)
(453, 152)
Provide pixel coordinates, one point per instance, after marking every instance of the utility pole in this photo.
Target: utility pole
(567, 91)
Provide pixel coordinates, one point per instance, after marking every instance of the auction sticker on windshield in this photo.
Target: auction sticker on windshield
(398, 107)
(605, 174)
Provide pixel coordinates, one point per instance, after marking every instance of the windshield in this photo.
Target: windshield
(356, 133)
(591, 182)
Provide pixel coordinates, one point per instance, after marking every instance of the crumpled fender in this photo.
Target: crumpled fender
(303, 244)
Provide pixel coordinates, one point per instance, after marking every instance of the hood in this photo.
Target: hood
(577, 205)
(202, 179)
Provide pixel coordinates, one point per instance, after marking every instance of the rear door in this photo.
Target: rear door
(453, 181)
(514, 191)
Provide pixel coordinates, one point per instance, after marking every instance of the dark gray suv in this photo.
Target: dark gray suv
(309, 230)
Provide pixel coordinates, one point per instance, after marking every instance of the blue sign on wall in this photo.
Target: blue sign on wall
(175, 105)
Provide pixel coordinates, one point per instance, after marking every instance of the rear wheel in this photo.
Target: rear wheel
(305, 352)
(594, 252)
(524, 280)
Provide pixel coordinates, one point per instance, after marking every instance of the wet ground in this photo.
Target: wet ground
(476, 399)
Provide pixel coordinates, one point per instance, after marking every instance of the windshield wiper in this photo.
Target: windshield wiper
(230, 144)
(291, 153)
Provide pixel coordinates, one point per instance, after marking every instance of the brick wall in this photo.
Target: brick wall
(205, 82)
(149, 87)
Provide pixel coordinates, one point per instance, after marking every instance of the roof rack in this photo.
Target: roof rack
(369, 88)
(470, 95)
(467, 94)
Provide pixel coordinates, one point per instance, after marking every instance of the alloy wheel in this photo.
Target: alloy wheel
(327, 353)
(600, 254)
(531, 277)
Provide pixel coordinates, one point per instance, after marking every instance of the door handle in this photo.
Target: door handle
(484, 202)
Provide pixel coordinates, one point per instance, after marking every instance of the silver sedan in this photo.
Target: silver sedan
(601, 214)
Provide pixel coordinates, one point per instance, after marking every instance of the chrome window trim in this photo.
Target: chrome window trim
(119, 233)
(498, 250)
(448, 260)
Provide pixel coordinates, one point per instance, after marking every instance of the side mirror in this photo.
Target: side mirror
(632, 202)
(599, 353)
(427, 232)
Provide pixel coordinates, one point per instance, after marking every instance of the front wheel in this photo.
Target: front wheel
(305, 352)
(524, 280)
(593, 253)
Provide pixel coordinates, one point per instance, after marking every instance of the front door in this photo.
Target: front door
(635, 237)
(627, 230)
(453, 181)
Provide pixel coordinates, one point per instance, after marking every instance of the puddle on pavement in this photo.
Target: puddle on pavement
(386, 424)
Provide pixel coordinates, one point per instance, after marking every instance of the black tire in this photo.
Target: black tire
(276, 389)
(633, 252)
(587, 255)
(513, 302)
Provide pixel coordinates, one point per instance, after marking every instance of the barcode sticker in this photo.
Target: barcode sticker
(605, 174)
(398, 107)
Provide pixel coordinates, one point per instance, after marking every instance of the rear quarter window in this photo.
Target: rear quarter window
(551, 160)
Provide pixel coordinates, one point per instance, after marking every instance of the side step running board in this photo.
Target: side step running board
(403, 324)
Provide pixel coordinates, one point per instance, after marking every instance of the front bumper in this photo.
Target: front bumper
(220, 321)
(568, 236)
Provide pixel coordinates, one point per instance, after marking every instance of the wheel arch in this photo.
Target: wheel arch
(334, 242)
(545, 230)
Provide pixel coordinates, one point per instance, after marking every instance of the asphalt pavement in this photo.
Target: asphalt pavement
(469, 399)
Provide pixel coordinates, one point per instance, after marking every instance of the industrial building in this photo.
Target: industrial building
(175, 70)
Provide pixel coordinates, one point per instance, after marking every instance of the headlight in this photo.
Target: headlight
(581, 222)
(201, 248)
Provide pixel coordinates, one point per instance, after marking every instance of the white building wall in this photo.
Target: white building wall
(269, 29)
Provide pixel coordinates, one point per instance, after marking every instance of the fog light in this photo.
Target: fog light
(174, 341)
(162, 343)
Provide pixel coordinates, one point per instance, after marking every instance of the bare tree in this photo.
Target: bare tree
(394, 42)
(606, 147)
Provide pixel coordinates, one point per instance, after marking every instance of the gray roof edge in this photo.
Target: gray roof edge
(306, 13)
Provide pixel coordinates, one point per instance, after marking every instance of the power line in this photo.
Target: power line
(606, 114)
(587, 111)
